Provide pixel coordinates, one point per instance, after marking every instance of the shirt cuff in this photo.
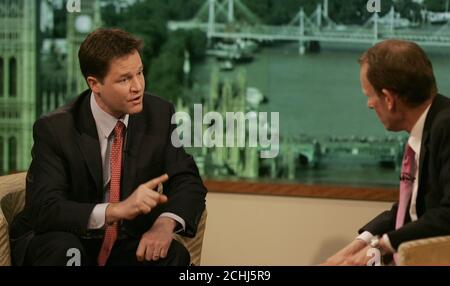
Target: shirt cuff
(177, 219)
(98, 216)
(387, 242)
(365, 236)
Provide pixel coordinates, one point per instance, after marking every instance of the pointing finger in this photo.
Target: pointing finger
(153, 183)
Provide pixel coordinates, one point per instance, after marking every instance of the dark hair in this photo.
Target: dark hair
(401, 67)
(101, 47)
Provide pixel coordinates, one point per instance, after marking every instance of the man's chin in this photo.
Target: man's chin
(135, 109)
(393, 128)
(388, 128)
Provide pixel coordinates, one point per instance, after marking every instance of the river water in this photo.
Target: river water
(319, 94)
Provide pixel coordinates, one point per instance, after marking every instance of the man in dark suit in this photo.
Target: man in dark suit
(397, 78)
(97, 166)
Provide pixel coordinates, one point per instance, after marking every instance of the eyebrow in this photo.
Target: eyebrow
(128, 74)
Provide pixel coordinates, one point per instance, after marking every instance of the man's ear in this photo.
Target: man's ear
(390, 98)
(94, 84)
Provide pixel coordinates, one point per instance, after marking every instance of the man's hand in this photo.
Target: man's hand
(155, 243)
(141, 201)
(347, 253)
(361, 258)
(384, 247)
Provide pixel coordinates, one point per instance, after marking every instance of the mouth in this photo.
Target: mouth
(136, 100)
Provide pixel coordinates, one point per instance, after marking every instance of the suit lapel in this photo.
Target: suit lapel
(135, 132)
(89, 144)
(423, 154)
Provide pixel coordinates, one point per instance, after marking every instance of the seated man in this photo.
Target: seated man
(397, 78)
(97, 166)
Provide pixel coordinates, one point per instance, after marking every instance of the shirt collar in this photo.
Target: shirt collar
(415, 137)
(105, 122)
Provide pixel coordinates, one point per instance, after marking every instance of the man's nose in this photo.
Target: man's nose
(136, 85)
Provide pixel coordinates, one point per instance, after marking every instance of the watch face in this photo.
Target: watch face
(83, 24)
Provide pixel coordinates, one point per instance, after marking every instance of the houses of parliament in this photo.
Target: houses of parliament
(38, 72)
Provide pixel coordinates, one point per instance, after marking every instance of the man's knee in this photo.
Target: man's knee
(178, 255)
(56, 248)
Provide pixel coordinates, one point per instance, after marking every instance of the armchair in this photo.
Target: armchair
(12, 201)
(434, 251)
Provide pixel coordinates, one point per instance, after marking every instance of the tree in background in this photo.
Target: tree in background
(163, 53)
(166, 72)
(408, 9)
(437, 5)
(273, 12)
(276, 12)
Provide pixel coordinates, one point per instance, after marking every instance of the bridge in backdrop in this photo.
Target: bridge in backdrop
(231, 19)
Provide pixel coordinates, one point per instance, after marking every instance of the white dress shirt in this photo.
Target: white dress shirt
(415, 141)
(105, 124)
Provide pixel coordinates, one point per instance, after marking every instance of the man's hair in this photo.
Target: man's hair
(401, 67)
(101, 47)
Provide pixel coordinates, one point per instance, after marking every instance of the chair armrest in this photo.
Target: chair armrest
(12, 197)
(12, 183)
(428, 251)
(194, 245)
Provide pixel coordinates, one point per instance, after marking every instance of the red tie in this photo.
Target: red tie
(114, 192)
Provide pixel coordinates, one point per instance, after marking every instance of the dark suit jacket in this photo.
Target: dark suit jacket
(64, 181)
(433, 198)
